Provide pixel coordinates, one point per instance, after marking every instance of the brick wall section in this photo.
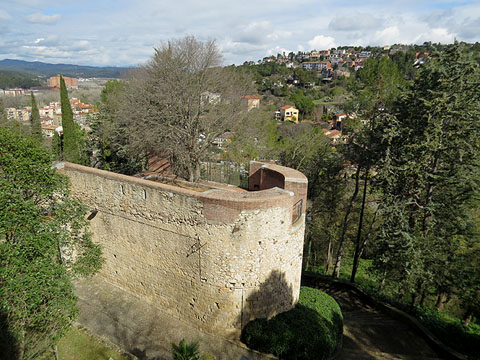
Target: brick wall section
(54, 81)
(215, 259)
(264, 176)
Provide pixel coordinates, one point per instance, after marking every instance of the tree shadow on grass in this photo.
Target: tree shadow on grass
(8, 343)
(287, 330)
(300, 333)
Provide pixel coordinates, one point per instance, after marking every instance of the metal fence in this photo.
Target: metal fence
(226, 172)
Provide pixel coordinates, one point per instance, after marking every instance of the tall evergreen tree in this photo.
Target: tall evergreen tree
(36, 126)
(73, 141)
(430, 176)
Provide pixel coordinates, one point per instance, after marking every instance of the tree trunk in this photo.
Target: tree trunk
(414, 301)
(309, 252)
(338, 262)
(423, 298)
(382, 283)
(468, 317)
(367, 235)
(356, 257)
(441, 300)
(416, 296)
(328, 261)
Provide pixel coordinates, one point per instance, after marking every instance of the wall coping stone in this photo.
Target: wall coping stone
(258, 199)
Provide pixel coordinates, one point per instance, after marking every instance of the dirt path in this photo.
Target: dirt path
(371, 334)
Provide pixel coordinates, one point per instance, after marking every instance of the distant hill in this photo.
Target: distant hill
(47, 70)
(21, 79)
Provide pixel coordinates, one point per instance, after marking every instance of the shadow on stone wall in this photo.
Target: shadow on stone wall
(274, 296)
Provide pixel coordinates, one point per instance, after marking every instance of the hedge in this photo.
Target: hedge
(311, 330)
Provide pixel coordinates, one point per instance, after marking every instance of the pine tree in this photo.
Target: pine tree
(36, 126)
(430, 176)
(73, 141)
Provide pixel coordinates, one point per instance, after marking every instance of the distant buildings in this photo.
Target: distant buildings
(253, 102)
(289, 113)
(15, 92)
(19, 114)
(51, 114)
(70, 83)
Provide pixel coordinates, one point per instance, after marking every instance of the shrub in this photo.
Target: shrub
(312, 330)
(185, 351)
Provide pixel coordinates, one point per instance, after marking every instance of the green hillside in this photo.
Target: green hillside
(49, 70)
(21, 79)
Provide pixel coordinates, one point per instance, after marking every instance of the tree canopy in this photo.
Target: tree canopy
(181, 100)
(44, 243)
(430, 175)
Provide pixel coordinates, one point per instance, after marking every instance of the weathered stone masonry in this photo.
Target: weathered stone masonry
(215, 259)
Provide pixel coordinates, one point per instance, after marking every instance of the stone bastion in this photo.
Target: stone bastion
(215, 258)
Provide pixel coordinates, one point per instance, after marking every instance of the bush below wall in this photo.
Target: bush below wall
(312, 330)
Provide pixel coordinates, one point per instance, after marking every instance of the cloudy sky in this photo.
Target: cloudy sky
(125, 32)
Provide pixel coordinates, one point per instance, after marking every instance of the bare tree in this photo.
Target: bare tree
(181, 100)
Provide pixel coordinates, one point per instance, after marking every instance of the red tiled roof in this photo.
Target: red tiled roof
(332, 133)
(49, 127)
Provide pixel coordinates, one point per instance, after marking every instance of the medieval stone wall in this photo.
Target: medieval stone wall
(215, 259)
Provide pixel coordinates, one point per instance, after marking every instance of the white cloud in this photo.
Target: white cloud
(389, 35)
(438, 35)
(255, 32)
(261, 32)
(127, 33)
(4, 15)
(43, 19)
(46, 52)
(321, 42)
(278, 50)
(80, 45)
(359, 21)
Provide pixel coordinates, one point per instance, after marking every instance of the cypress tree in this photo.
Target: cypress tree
(36, 126)
(72, 139)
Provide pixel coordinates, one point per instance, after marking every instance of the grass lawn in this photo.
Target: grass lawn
(363, 278)
(77, 344)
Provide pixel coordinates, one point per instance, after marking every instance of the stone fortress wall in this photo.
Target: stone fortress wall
(215, 259)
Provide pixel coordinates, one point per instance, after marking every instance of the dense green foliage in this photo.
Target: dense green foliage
(20, 79)
(108, 140)
(312, 330)
(44, 242)
(429, 179)
(451, 331)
